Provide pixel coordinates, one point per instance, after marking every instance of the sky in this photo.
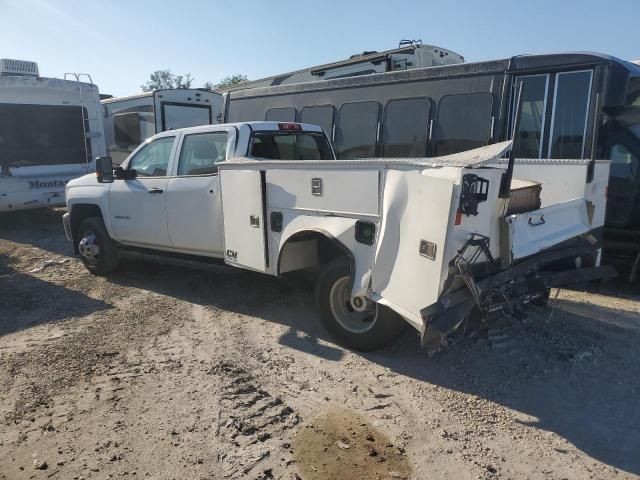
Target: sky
(120, 42)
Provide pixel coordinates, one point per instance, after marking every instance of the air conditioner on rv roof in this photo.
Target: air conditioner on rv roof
(10, 67)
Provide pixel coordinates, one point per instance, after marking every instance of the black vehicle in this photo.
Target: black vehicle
(574, 106)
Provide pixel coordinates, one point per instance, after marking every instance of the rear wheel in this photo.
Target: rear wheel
(97, 251)
(359, 323)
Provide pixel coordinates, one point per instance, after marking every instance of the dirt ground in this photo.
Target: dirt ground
(167, 372)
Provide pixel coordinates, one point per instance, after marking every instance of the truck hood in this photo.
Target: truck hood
(88, 180)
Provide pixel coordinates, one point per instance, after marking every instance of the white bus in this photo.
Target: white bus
(129, 121)
(50, 130)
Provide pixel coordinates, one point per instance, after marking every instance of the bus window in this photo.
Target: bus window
(405, 128)
(287, 114)
(569, 118)
(182, 115)
(464, 123)
(321, 115)
(528, 141)
(357, 132)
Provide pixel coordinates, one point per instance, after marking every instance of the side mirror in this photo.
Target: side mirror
(122, 174)
(104, 170)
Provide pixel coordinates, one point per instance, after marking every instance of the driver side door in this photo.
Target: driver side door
(138, 206)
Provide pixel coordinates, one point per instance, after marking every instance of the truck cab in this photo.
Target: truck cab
(173, 177)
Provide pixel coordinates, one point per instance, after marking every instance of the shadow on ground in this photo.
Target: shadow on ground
(27, 301)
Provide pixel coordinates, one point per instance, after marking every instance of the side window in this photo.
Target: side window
(321, 115)
(153, 159)
(529, 137)
(405, 128)
(624, 164)
(357, 132)
(287, 114)
(201, 152)
(464, 123)
(569, 119)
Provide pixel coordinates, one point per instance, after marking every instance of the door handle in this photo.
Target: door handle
(540, 221)
(155, 190)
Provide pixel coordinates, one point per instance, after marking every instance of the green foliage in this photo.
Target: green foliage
(165, 80)
(227, 82)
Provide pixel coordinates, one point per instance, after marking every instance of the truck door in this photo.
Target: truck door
(195, 190)
(244, 224)
(182, 108)
(137, 206)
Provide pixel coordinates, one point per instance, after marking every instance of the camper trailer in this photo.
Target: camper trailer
(410, 54)
(50, 129)
(129, 121)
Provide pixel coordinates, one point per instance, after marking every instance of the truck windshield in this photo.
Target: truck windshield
(41, 135)
(290, 146)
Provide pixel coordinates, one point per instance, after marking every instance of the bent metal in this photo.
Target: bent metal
(47, 184)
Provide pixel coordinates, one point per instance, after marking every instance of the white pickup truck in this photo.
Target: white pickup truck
(432, 241)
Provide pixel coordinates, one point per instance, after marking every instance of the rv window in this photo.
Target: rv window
(569, 118)
(184, 115)
(200, 153)
(321, 115)
(127, 129)
(42, 135)
(405, 127)
(290, 146)
(287, 114)
(152, 160)
(528, 141)
(357, 132)
(464, 123)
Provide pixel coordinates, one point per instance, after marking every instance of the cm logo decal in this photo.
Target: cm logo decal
(232, 255)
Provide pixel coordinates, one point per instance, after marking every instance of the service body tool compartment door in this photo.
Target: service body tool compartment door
(243, 214)
(532, 232)
(410, 257)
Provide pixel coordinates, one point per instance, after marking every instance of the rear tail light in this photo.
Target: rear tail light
(289, 126)
(458, 220)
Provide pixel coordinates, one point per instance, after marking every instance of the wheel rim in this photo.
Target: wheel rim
(343, 312)
(89, 249)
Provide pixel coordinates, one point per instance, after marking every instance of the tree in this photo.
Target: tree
(227, 82)
(165, 80)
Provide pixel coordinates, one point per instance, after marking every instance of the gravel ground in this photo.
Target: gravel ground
(167, 372)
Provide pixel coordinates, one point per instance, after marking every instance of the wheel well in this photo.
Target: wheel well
(80, 212)
(327, 248)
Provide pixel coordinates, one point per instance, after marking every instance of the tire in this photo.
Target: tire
(98, 252)
(357, 330)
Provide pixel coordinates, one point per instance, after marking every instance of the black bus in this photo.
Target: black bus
(574, 105)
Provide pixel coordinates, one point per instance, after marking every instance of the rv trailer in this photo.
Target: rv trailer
(129, 121)
(410, 54)
(575, 106)
(50, 129)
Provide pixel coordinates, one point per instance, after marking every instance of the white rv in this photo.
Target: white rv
(129, 121)
(50, 129)
(410, 54)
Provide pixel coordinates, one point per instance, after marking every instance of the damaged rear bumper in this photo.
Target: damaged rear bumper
(508, 291)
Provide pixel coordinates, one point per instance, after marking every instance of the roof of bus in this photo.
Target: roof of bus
(514, 64)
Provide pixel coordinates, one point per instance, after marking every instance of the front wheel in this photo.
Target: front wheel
(97, 251)
(360, 324)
